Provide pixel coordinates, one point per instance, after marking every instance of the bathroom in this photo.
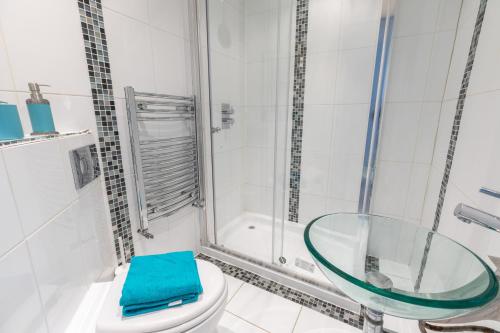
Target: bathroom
(329, 165)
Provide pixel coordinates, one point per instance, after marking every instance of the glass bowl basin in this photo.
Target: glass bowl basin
(430, 276)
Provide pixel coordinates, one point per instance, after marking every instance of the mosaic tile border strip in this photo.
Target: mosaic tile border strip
(299, 82)
(293, 295)
(96, 52)
(459, 110)
(27, 140)
(454, 134)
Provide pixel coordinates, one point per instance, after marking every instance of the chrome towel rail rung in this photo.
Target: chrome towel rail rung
(159, 173)
(156, 201)
(173, 203)
(152, 186)
(170, 161)
(170, 145)
(173, 199)
(187, 202)
(155, 155)
(179, 138)
(172, 188)
(141, 103)
(163, 118)
(153, 95)
(166, 169)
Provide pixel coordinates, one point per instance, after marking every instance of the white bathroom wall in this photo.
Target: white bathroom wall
(476, 160)
(422, 46)
(55, 241)
(41, 41)
(341, 46)
(149, 46)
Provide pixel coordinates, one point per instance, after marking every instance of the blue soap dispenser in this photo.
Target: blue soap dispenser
(10, 124)
(39, 112)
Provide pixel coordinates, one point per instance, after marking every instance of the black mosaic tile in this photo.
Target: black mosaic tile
(293, 295)
(96, 52)
(299, 78)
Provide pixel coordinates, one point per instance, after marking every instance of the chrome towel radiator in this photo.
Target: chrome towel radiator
(165, 154)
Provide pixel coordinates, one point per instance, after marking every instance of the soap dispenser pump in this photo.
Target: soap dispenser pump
(39, 111)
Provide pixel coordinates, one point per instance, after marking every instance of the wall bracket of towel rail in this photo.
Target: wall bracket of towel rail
(165, 154)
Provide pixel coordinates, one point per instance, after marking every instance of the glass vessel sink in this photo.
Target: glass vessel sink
(399, 268)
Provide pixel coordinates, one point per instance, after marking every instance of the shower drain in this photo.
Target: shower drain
(251, 227)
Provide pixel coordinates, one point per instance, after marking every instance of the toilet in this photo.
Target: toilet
(197, 317)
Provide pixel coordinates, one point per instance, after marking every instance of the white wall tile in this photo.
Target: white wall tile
(449, 13)
(390, 188)
(11, 224)
(350, 126)
(55, 36)
(459, 57)
(132, 8)
(314, 173)
(485, 75)
(355, 73)
(6, 80)
(399, 131)
(317, 127)
(321, 71)
(260, 36)
(20, 310)
(169, 15)
(89, 213)
(130, 47)
(427, 132)
(360, 23)
(311, 206)
(59, 268)
(474, 151)
(172, 63)
(416, 191)
(442, 48)
(40, 181)
(408, 68)
(416, 17)
(345, 177)
(323, 34)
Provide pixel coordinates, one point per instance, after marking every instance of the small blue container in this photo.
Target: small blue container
(10, 124)
(41, 118)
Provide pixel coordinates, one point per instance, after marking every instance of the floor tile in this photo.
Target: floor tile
(311, 321)
(229, 323)
(263, 309)
(233, 284)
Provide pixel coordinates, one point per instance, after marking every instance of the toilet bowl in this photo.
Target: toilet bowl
(197, 317)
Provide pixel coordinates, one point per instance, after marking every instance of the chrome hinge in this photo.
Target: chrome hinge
(216, 129)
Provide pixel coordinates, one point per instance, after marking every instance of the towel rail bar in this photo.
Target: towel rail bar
(166, 170)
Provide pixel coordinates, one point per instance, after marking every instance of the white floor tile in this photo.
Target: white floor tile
(233, 285)
(229, 323)
(311, 321)
(401, 325)
(265, 310)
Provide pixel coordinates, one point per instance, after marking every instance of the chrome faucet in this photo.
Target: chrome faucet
(470, 214)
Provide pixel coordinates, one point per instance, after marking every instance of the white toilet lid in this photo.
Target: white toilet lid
(111, 320)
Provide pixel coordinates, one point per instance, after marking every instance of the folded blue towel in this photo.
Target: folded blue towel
(160, 281)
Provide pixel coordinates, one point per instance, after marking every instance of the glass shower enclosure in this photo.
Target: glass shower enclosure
(321, 106)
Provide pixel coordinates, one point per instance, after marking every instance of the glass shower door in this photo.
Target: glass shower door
(249, 53)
